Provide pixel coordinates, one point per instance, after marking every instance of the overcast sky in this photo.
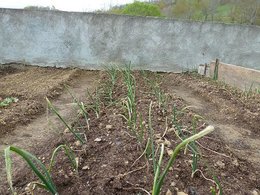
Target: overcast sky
(65, 5)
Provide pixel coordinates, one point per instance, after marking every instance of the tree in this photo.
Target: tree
(31, 7)
(184, 9)
(245, 11)
(141, 9)
(208, 8)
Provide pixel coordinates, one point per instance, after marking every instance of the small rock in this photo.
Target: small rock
(168, 192)
(98, 140)
(77, 143)
(100, 125)
(220, 164)
(66, 130)
(108, 127)
(181, 193)
(86, 167)
(167, 143)
(235, 162)
(254, 192)
(173, 184)
(176, 176)
(169, 152)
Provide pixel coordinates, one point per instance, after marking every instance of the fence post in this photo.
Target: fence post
(215, 77)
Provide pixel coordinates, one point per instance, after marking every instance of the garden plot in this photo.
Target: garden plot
(130, 129)
(29, 86)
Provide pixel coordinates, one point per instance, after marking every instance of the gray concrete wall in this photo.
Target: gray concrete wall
(91, 40)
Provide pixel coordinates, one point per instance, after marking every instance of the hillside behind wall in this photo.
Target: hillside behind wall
(89, 40)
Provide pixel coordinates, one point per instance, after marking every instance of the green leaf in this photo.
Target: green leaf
(36, 165)
(68, 152)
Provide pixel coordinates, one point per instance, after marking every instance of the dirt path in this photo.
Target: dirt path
(243, 142)
(36, 136)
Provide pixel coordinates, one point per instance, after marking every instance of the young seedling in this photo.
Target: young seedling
(193, 146)
(158, 184)
(80, 105)
(159, 178)
(110, 84)
(64, 122)
(70, 154)
(141, 130)
(7, 101)
(95, 102)
(151, 137)
(217, 189)
(130, 103)
(37, 166)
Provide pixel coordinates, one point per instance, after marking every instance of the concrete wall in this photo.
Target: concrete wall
(92, 40)
(240, 77)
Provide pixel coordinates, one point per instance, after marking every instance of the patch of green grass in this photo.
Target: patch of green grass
(7, 101)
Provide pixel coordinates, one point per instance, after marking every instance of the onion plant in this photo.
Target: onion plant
(110, 85)
(80, 105)
(70, 154)
(192, 145)
(157, 166)
(217, 190)
(64, 122)
(37, 166)
(161, 97)
(130, 103)
(151, 137)
(159, 178)
(95, 102)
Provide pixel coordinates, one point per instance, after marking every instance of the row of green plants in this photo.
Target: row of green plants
(186, 142)
(135, 124)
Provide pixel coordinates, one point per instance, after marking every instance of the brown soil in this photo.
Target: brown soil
(113, 163)
(234, 113)
(30, 86)
(40, 133)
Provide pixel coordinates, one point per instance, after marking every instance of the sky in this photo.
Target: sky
(65, 5)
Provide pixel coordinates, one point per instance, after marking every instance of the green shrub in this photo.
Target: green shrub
(141, 9)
